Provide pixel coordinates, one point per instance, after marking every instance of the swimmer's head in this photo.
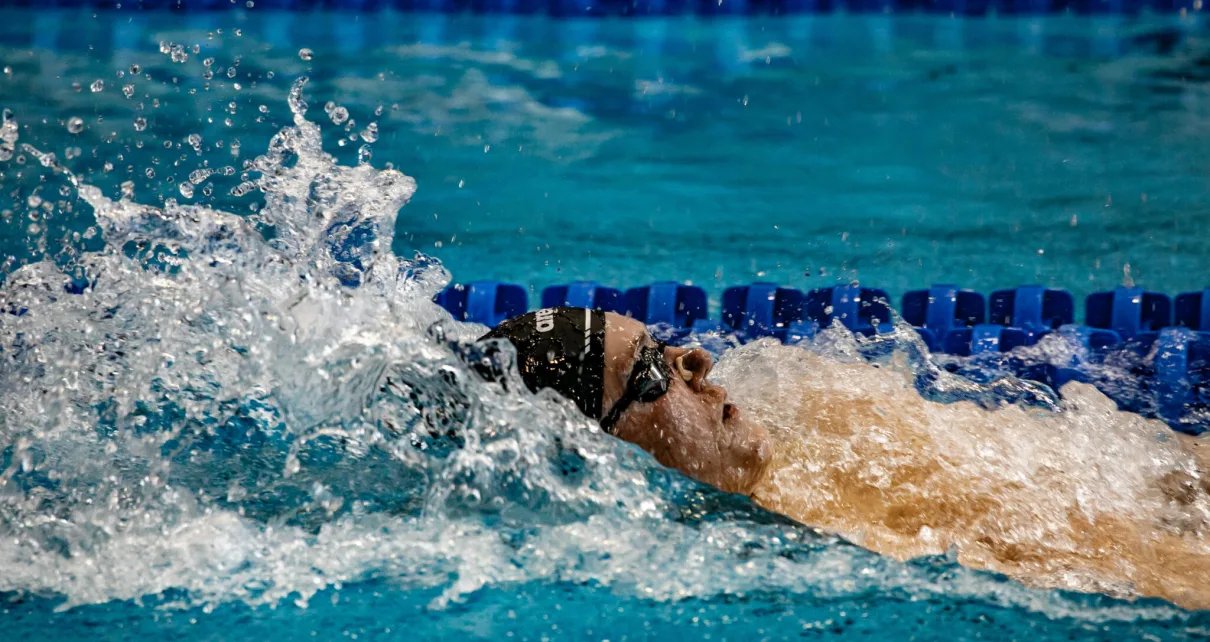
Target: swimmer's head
(653, 395)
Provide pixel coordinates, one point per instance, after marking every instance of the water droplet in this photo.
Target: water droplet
(305, 53)
(207, 62)
(339, 115)
(140, 124)
(128, 91)
(370, 133)
(97, 85)
(179, 54)
(75, 124)
(186, 189)
(165, 47)
(134, 69)
(8, 71)
(194, 140)
(150, 173)
(264, 109)
(364, 154)
(198, 175)
(231, 72)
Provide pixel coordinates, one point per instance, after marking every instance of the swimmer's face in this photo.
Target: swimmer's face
(692, 427)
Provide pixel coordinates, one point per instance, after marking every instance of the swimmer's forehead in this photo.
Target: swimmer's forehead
(623, 330)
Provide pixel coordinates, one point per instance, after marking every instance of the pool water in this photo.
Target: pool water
(805, 151)
(215, 439)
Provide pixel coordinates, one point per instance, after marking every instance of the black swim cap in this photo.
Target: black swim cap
(563, 349)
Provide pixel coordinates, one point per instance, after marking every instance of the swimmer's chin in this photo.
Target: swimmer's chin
(751, 451)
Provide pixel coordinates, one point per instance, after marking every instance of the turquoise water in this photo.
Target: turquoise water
(807, 151)
(218, 442)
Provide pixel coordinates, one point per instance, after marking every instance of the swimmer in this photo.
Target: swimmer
(642, 391)
(1088, 498)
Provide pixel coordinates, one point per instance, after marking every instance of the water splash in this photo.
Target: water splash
(226, 408)
(1071, 494)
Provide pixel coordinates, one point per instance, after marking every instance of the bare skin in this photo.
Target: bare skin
(1091, 498)
(692, 427)
(905, 476)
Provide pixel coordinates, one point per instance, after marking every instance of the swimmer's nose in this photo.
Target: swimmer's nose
(694, 366)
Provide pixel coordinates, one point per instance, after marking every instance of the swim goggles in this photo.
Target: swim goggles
(649, 380)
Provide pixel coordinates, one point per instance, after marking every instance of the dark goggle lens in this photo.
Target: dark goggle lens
(652, 387)
(652, 381)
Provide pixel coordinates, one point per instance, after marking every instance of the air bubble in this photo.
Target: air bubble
(97, 85)
(128, 91)
(140, 124)
(186, 189)
(134, 69)
(194, 140)
(75, 124)
(339, 115)
(364, 154)
(370, 133)
(231, 72)
(179, 54)
(305, 53)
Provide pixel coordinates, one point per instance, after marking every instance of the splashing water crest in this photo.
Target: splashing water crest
(1074, 494)
(254, 409)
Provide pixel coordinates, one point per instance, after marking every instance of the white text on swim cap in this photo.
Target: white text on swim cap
(544, 320)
